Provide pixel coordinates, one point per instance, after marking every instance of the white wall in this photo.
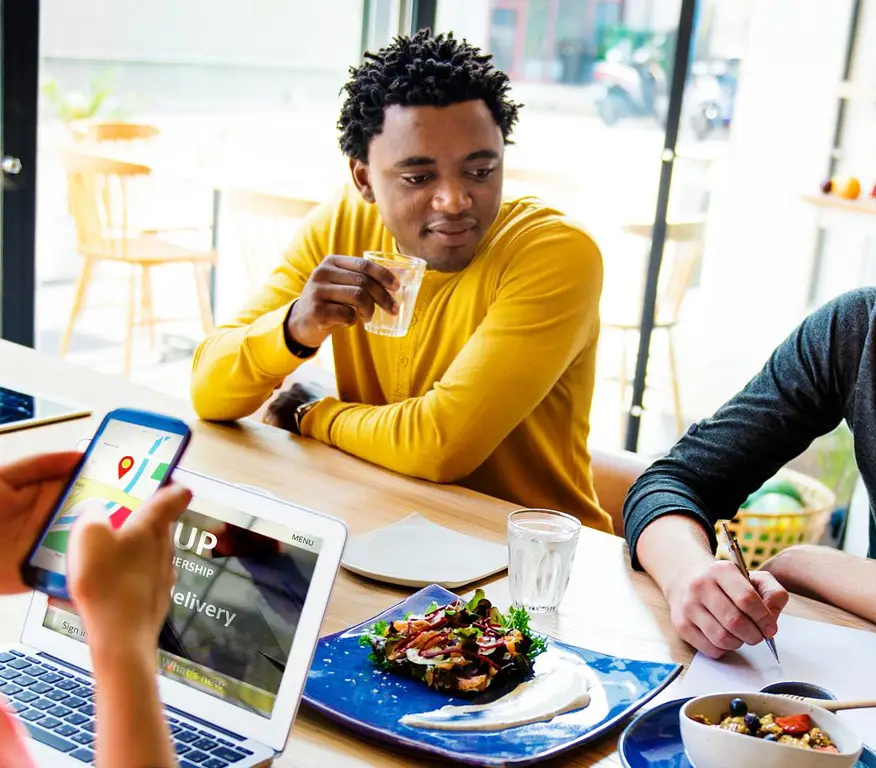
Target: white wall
(305, 34)
(761, 234)
(864, 63)
(859, 137)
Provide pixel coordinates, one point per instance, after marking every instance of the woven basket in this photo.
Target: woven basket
(762, 535)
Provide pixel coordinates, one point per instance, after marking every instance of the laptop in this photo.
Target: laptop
(254, 577)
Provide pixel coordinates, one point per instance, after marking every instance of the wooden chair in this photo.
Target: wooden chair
(263, 224)
(684, 240)
(99, 202)
(154, 209)
(613, 474)
(88, 131)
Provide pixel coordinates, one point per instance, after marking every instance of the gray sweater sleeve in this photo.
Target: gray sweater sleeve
(804, 390)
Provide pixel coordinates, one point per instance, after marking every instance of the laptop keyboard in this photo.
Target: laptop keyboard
(57, 707)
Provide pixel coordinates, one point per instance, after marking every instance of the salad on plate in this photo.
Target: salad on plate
(460, 648)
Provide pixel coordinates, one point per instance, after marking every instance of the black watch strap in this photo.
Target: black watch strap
(299, 350)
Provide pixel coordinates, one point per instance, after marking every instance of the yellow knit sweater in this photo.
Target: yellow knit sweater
(491, 387)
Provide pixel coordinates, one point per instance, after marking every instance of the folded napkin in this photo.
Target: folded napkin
(416, 552)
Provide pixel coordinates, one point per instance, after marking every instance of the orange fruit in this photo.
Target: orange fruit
(850, 188)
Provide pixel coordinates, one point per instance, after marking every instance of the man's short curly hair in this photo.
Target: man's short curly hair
(423, 70)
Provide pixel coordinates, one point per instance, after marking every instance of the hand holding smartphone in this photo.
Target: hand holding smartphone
(132, 455)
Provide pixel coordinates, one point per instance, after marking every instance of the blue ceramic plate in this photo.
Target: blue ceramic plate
(653, 740)
(344, 686)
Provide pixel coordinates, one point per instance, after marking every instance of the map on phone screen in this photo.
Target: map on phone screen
(125, 467)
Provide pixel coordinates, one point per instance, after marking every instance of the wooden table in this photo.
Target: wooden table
(608, 607)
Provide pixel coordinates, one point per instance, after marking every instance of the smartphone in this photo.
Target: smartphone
(132, 454)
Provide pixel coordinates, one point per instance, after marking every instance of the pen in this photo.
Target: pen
(740, 563)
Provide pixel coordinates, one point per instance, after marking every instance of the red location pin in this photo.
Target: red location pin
(125, 466)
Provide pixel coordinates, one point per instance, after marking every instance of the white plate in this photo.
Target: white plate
(416, 552)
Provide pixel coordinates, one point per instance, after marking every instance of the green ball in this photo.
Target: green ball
(774, 503)
(777, 485)
(783, 486)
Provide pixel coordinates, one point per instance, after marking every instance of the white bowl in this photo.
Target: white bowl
(711, 747)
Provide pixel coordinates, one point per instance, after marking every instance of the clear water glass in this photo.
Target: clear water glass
(541, 551)
(409, 270)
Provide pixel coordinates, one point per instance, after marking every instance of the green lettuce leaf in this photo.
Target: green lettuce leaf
(468, 634)
(473, 604)
(518, 618)
(375, 638)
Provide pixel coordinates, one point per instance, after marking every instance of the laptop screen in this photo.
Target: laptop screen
(241, 586)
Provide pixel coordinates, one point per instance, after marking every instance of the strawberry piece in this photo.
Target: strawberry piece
(795, 725)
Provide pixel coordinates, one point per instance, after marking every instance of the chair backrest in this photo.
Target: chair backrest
(113, 131)
(613, 474)
(263, 225)
(539, 178)
(682, 256)
(687, 238)
(98, 189)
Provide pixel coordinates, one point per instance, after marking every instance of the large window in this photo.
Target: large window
(746, 254)
(753, 66)
(595, 77)
(236, 105)
(230, 100)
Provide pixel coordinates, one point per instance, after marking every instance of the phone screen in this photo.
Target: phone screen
(124, 466)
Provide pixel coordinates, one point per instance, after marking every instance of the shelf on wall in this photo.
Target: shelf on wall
(862, 205)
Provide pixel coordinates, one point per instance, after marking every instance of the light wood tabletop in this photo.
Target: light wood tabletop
(608, 607)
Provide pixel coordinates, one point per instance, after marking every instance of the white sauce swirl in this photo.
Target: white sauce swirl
(560, 684)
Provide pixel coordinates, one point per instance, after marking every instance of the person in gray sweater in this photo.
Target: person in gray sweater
(824, 372)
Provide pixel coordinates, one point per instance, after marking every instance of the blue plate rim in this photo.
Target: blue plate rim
(391, 738)
(621, 742)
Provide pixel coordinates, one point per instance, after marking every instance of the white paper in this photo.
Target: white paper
(840, 659)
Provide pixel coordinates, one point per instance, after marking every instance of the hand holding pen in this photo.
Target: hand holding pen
(739, 559)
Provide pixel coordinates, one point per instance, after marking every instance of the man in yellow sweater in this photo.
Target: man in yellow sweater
(492, 385)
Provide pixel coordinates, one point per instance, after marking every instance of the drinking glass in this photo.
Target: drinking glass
(409, 270)
(541, 551)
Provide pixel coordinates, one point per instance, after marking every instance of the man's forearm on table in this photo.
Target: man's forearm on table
(406, 437)
(236, 369)
(828, 575)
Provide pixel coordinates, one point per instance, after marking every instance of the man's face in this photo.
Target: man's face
(436, 176)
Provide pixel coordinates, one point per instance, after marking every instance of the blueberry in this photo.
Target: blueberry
(738, 708)
(771, 737)
(752, 722)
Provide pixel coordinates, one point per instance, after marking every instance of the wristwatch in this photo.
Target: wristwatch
(298, 415)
